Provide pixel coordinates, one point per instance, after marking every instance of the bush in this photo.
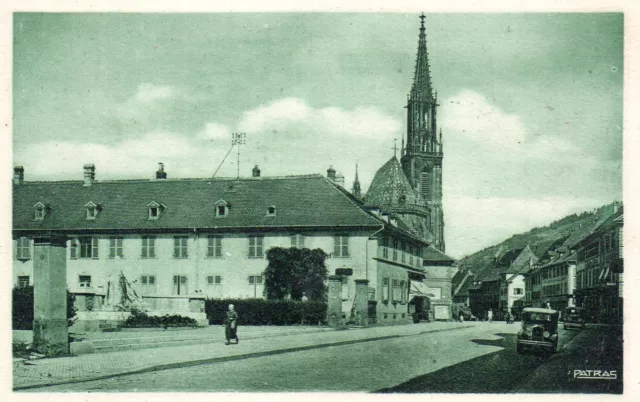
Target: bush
(267, 312)
(140, 319)
(22, 308)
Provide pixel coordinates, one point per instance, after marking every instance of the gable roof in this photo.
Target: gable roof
(302, 201)
(431, 254)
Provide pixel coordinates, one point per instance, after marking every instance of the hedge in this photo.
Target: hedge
(22, 308)
(267, 312)
(140, 319)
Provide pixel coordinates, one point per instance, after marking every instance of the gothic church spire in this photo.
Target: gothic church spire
(421, 88)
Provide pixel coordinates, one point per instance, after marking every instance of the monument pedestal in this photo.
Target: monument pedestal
(50, 330)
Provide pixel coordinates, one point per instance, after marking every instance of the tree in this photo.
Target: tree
(293, 271)
(22, 306)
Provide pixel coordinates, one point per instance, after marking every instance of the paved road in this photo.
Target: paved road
(477, 359)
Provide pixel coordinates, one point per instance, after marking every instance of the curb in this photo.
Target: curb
(192, 363)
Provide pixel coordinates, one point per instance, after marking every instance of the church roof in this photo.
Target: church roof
(390, 186)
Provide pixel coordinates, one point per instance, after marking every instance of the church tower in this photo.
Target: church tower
(422, 157)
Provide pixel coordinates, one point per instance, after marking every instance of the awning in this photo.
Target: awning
(420, 289)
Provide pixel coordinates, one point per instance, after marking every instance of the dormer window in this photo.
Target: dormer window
(92, 210)
(271, 211)
(40, 211)
(222, 209)
(155, 209)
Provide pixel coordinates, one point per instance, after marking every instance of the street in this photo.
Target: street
(479, 359)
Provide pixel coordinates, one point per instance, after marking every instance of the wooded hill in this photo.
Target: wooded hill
(561, 228)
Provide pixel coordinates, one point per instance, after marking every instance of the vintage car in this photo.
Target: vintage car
(574, 317)
(539, 330)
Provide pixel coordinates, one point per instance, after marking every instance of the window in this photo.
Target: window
(23, 249)
(396, 290)
(424, 183)
(395, 249)
(73, 249)
(620, 243)
(23, 281)
(180, 285)
(148, 247)
(271, 211)
(88, 247)
(148, 280)
(115, 247)
(255, 281)
(385, 247)
(297, 241)
(155, 209)
(385, 289)
(403, 247)
(341, 246)
(214, 280)
(180, 246)
(345, 288)
(214, 247)
(148, 284)
(410, 254)
(255, 247)
(84, 281)
(92, 210)
(403, 292)
(40, 211)
(222, 209)
(517, 291)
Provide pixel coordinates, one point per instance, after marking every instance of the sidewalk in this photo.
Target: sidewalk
(254, 342)
(596, 348)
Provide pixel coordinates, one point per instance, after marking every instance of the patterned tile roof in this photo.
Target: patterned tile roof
(299, 201)
(390, 186)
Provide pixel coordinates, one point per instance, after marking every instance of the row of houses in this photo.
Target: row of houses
(582, 269)
(179, 241)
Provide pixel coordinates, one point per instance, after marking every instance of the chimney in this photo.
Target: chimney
(616, 206)
(161, 174)
(256, 171)
(331, 173)
(18, 175)
(339, 179)
(89, 174)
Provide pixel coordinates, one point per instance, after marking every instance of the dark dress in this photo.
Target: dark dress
(231, 325)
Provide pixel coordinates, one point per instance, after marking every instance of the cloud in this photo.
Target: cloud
(471, 116)
(215, 131)
(150, 93)
(286, 136)
(290, 112)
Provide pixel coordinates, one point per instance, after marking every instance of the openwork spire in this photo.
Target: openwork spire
(421, 88)
(356, 185)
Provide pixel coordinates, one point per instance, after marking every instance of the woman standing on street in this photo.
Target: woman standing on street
(231, 325)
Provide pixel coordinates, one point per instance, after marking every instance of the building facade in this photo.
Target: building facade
(600, 270)
(177, 242)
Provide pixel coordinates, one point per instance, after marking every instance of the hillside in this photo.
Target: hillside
(561, 228)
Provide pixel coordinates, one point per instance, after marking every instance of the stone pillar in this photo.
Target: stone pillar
(362, 302)
(50, 330)
(334, 305)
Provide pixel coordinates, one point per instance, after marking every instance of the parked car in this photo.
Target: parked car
(574, 317)
(539, 330)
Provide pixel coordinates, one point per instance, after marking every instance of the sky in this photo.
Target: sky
(530, 104)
